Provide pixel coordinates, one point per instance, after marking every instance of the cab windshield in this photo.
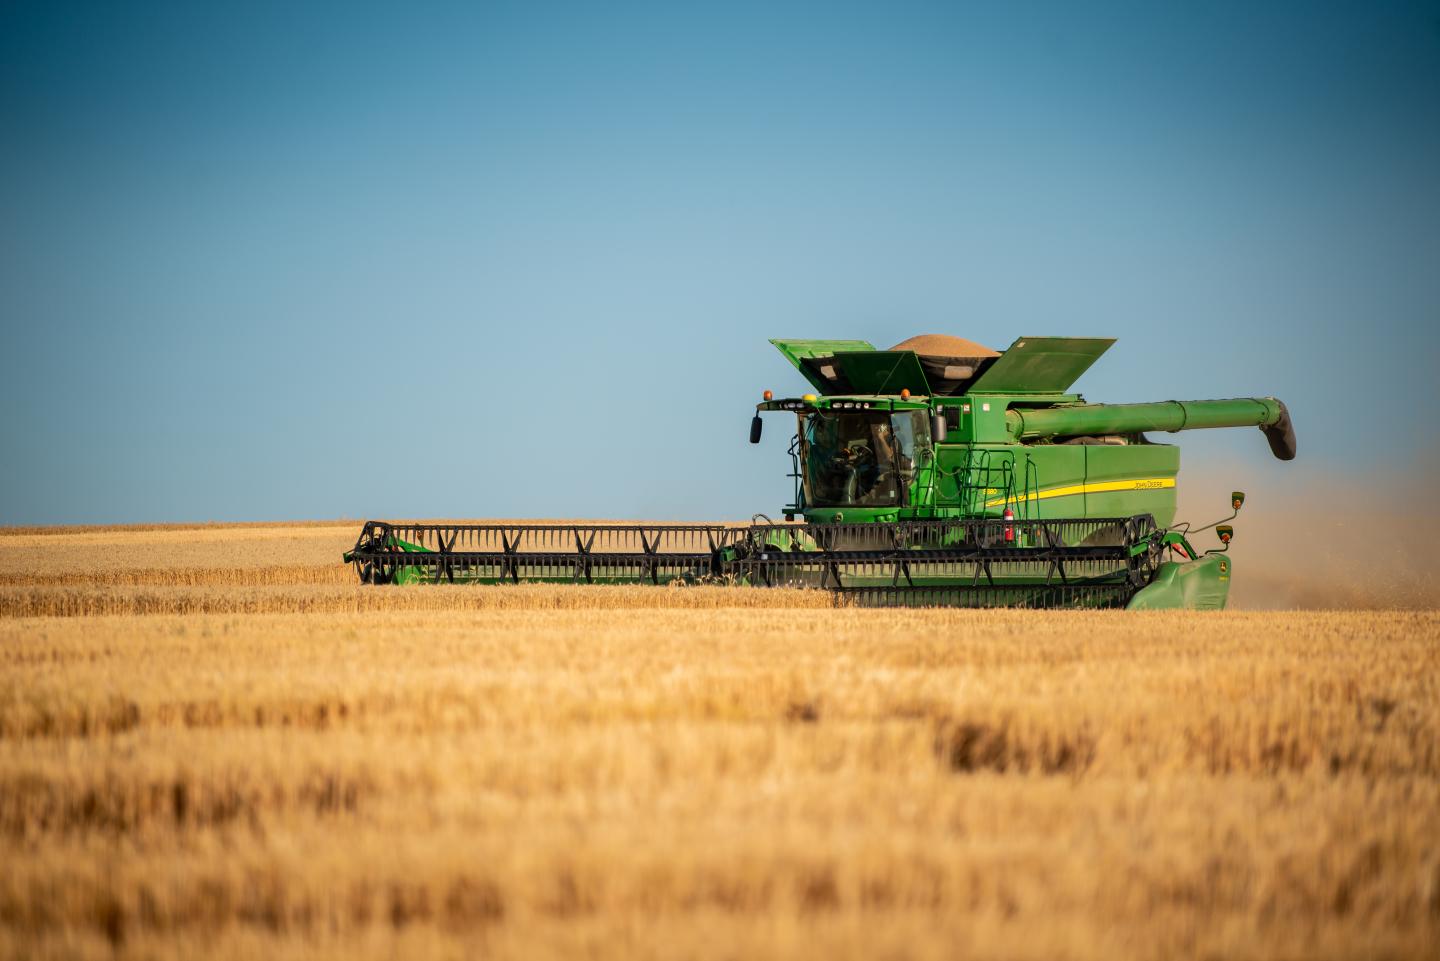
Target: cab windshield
(861, 458)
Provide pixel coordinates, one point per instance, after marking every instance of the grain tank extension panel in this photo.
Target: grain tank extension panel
(1032, 365)
(1041, 365)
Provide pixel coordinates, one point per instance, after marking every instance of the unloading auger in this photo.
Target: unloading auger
(936, 473)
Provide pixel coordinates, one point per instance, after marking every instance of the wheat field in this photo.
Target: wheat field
(238, 752)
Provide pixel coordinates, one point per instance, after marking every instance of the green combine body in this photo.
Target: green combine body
(963, 478)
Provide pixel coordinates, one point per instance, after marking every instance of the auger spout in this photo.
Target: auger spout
(1267, 413)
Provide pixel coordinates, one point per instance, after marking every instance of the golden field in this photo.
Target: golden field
(239, 752)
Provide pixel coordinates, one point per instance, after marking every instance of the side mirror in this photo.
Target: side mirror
(937, 428)
(1225, 532)
(755, 426)
(1236, 499)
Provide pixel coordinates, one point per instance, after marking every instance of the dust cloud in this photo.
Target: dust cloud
(1361, 541)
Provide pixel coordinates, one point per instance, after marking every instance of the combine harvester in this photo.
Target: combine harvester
(936, 473)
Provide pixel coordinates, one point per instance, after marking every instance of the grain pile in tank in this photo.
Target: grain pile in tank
(950, 363)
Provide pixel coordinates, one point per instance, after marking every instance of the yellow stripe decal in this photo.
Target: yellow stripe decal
(1142, 484)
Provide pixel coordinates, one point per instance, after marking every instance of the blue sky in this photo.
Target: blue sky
(275, 261)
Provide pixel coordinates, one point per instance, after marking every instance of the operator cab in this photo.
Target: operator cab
(861, 458)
